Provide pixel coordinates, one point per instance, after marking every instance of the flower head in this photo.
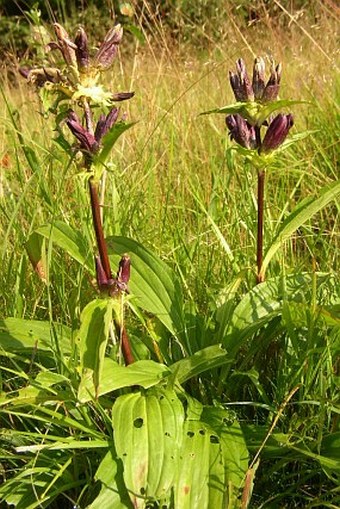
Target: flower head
(79, 79)
(258, 89)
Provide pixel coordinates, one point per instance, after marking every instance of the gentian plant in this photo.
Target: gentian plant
(247, 119)
(77, 83)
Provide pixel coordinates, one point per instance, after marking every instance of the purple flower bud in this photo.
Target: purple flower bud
(272, 88)
(82, 51)
(105, 123)
(258, 78)
(240, 83)
(102, 280)
(241, 131)
(109, 48)
(277, 132)
(87, 140)
(122, 96)
(100, 273)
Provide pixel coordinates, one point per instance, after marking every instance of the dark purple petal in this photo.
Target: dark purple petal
(277, 132)
(240, 83)
(258, 78)
(86, 139)
(104, 124)
(123, 274)
(109, 48)
(241, 131)
(82, 51)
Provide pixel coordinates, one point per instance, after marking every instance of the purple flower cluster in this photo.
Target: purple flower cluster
(262, 92)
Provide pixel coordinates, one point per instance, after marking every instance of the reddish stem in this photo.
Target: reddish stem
(260, 208)
(98, 228)
(126, 347)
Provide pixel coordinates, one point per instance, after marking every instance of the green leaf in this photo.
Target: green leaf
(267, 109)
(154, 285)
(35, 247)
(232, 109)
(145, 373)
(17, 334)
(113, 494)
(70, 240)
(109, 140)
(303, 212)
(254, 112)
(330, 449)
(261, 304)
(93, 335)
(203, 360)
(147, 433)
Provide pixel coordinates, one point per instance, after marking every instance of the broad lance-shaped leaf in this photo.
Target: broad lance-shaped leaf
(260, 305)
(147, 434)
(145, 373)
(154, 285)
(207, 358)
(303, 212)
(70, 240)
(93, 335)
(18, 334)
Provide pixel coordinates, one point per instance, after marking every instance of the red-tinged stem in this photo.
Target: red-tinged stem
(260, 208)
(126, 347)
(98, 228)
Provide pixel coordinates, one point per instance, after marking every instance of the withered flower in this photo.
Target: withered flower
(277, 132)
(272, 88)
(82, 50)
(241, 131)
(109, 48)
(65, 45)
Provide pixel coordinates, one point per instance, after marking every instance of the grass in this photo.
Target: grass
(178, 187)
